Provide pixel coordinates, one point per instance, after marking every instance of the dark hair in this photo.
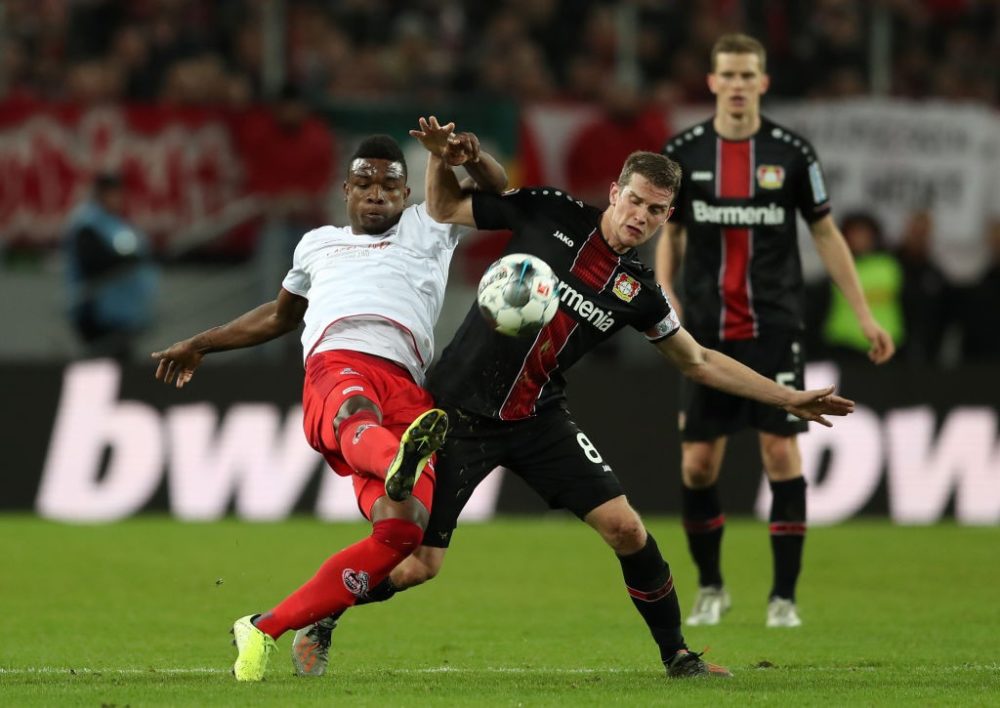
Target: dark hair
(380, 147)
(658, 169)
(864, 220)
(105, 182)
(740, 44)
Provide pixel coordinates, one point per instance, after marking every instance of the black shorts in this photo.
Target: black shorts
(707, 413)
(549, 452)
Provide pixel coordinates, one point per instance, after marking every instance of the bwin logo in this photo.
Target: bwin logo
(564, 238)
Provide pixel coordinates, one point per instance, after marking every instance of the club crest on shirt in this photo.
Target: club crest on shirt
(770, 176)
(626, 287)
(355, 581)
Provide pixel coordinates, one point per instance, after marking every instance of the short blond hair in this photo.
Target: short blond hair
(740, 44)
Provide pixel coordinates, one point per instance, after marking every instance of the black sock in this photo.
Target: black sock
(380, 593)
(648, 579)
(704, 523)
(788, 534)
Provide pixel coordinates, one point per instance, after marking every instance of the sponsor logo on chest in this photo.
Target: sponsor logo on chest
(770, 215)
(586, 309)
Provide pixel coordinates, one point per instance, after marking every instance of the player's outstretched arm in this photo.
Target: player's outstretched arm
(446, 201)
(712, 368)
(836, 255)
(177, 363)
(462, 149)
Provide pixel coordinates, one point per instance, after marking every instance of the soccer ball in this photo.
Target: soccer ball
(517, 295)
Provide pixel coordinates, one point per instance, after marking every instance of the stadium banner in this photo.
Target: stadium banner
(182, 167)
(186, 168)
(888, 157)
(92, 442)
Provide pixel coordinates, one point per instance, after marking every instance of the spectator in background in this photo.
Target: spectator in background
(596, 154)
(980, 305)
(290, 157)
(881, 279)
(926, 296)
(112, 280)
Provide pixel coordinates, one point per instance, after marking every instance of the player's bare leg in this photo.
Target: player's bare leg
(783, 465)
(704, 523)
(650, 585)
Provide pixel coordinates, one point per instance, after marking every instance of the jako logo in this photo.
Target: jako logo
(584, 307)
(108, 457)
(564, 238)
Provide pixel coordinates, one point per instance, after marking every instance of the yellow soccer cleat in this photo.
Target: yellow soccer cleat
(254, 649)
(424, 436)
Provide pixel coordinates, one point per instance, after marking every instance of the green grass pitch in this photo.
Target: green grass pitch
(526, 612)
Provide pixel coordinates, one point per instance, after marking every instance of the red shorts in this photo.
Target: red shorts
(334, 376)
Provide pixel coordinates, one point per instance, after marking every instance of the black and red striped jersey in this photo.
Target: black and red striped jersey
(600, 292)
(737, 202)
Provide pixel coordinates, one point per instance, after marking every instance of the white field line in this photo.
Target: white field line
(201, 670)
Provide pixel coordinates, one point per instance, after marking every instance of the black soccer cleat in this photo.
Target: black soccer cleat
(688, 664)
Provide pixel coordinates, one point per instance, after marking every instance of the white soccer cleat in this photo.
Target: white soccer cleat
(782, 613)
(709, 605)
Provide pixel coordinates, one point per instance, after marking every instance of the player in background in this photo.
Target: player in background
(369, 294)
(505, 396)
(744, 179)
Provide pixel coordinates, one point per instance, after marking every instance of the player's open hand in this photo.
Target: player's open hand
(177, 363)
(882, 347)
(813, 405)
(435, 137)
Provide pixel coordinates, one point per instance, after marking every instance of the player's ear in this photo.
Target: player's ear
(406, 193)
(347, 189)
(712, 84)
(765, 83)
(613, 193)
(670, 212)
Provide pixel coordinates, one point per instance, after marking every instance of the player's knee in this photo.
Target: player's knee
(353, 406)
(780, 457)
(624, 533)
(698, 469)
(401, 535)
(698, 474)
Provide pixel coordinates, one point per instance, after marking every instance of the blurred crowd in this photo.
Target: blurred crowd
(932, 320)
(197, 52)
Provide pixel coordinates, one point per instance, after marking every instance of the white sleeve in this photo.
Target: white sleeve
(297, 281)
(435, 230)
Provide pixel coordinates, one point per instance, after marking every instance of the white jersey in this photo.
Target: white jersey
(377, 294)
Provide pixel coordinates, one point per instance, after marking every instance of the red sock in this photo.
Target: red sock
(344, 576)
(367, 446)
